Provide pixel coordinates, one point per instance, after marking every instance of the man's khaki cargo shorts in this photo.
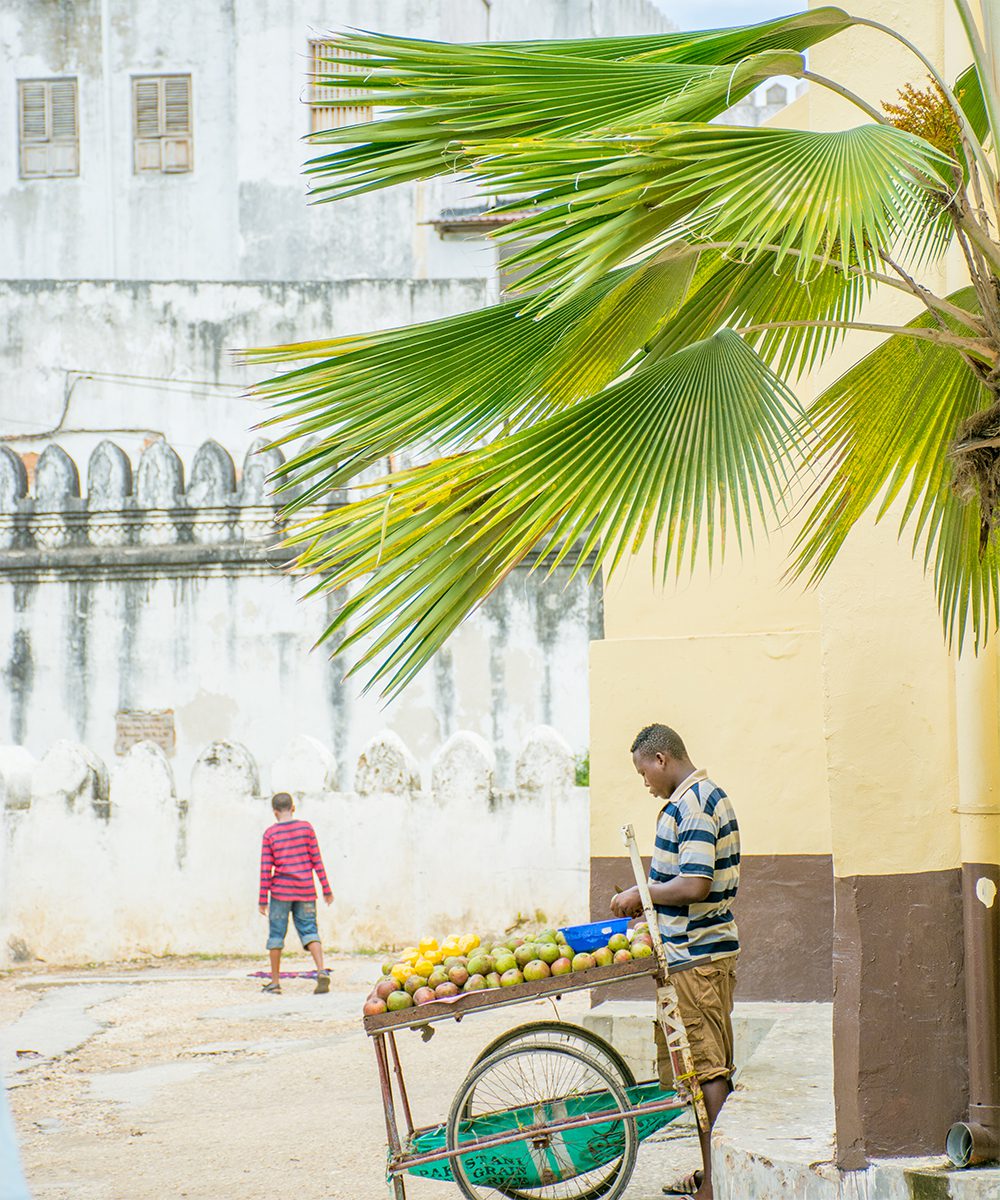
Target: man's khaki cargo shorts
(705, 994)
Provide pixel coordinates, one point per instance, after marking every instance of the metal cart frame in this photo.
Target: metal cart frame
(382, 1030)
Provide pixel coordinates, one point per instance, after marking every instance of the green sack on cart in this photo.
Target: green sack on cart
(521, 1164)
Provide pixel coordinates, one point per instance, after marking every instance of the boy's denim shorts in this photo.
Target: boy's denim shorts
(303, 914)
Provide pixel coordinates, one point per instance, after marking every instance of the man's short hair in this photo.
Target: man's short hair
(281, 802)
(659, 739)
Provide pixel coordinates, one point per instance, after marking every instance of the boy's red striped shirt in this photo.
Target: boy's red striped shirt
(289, 854)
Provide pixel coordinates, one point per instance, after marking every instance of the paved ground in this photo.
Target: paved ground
(191, 1083)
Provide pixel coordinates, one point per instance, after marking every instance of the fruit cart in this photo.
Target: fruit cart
(549, 1111)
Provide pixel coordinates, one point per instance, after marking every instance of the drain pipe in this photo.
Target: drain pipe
(977, 713)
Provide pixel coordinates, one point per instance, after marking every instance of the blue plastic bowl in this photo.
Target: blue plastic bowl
(584, 938)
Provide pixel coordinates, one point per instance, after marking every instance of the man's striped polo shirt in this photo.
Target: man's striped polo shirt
(697, 834)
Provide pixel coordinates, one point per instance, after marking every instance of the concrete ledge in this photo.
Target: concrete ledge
(628, 1026)
(775, 1138)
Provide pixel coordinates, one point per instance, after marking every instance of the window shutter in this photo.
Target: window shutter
(34, 159)
(162, 124)
(64, 158)
(176, 104)
(48, 128)
(318, 68)
(34, 112)
(63, 92)
(147, 154)
(176, 154)
(147, 108)
(333, 107)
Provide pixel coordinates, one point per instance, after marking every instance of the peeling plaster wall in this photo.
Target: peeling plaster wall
(161, 354)
(122, 299)
(408, 851)
(232, 656)
(159, 588)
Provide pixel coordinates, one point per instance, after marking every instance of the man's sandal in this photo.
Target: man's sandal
(322, 983)
(684, 1187)
(273, 989)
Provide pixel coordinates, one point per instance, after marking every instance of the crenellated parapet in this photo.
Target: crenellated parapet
(150, 862)
(72, 778)
(111, 513)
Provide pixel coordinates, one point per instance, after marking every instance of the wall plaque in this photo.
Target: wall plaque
(145, 725)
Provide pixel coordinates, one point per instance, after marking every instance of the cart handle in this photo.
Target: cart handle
(668, 1013)
(642, 883)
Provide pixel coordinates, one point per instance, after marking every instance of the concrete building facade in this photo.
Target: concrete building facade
(140, 600)
(132, 270)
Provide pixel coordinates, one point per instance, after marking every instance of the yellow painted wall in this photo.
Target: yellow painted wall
(889, 720)
(888, 677)
(744, 594)
(829, 715)
(750, 710)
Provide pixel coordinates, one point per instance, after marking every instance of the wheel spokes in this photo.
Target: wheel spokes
(529, 1087)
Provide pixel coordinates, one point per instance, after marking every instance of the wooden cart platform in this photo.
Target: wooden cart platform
(456, 1007)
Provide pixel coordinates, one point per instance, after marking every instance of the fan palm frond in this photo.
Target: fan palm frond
(444, 98)
(880, 435)
(690, 444)
(458, 380)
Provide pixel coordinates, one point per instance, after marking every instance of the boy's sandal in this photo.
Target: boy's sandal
(322, 983)
(273, 988)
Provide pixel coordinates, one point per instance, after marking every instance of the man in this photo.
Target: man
(693, 879)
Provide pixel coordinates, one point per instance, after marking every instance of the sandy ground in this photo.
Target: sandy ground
(180, 1079)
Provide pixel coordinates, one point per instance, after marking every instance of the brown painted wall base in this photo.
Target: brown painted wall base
(784, 911)
(900, 1057)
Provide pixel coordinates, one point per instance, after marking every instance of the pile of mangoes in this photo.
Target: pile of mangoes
(465, 963)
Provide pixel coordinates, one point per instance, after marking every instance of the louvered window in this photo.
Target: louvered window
(334, 107)
(50, 138)
(161, 122)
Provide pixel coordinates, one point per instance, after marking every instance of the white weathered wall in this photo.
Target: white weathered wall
(241, 213)
(83, 360)
(154, 584)
(99, 866)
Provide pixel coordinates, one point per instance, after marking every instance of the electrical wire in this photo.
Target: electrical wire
(162, 383)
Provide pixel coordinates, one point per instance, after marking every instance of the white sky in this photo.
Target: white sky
(711, 14)
(714, 14)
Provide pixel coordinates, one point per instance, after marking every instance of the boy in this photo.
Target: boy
(288, 856)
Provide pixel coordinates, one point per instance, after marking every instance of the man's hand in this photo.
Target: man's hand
(262, 909)
(627, 903)
(328, 899)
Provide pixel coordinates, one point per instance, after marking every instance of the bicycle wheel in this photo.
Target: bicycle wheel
(526, 1086)
(591, 1044)
(564, 1033)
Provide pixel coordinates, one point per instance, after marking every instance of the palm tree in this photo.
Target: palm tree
(680, 276)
